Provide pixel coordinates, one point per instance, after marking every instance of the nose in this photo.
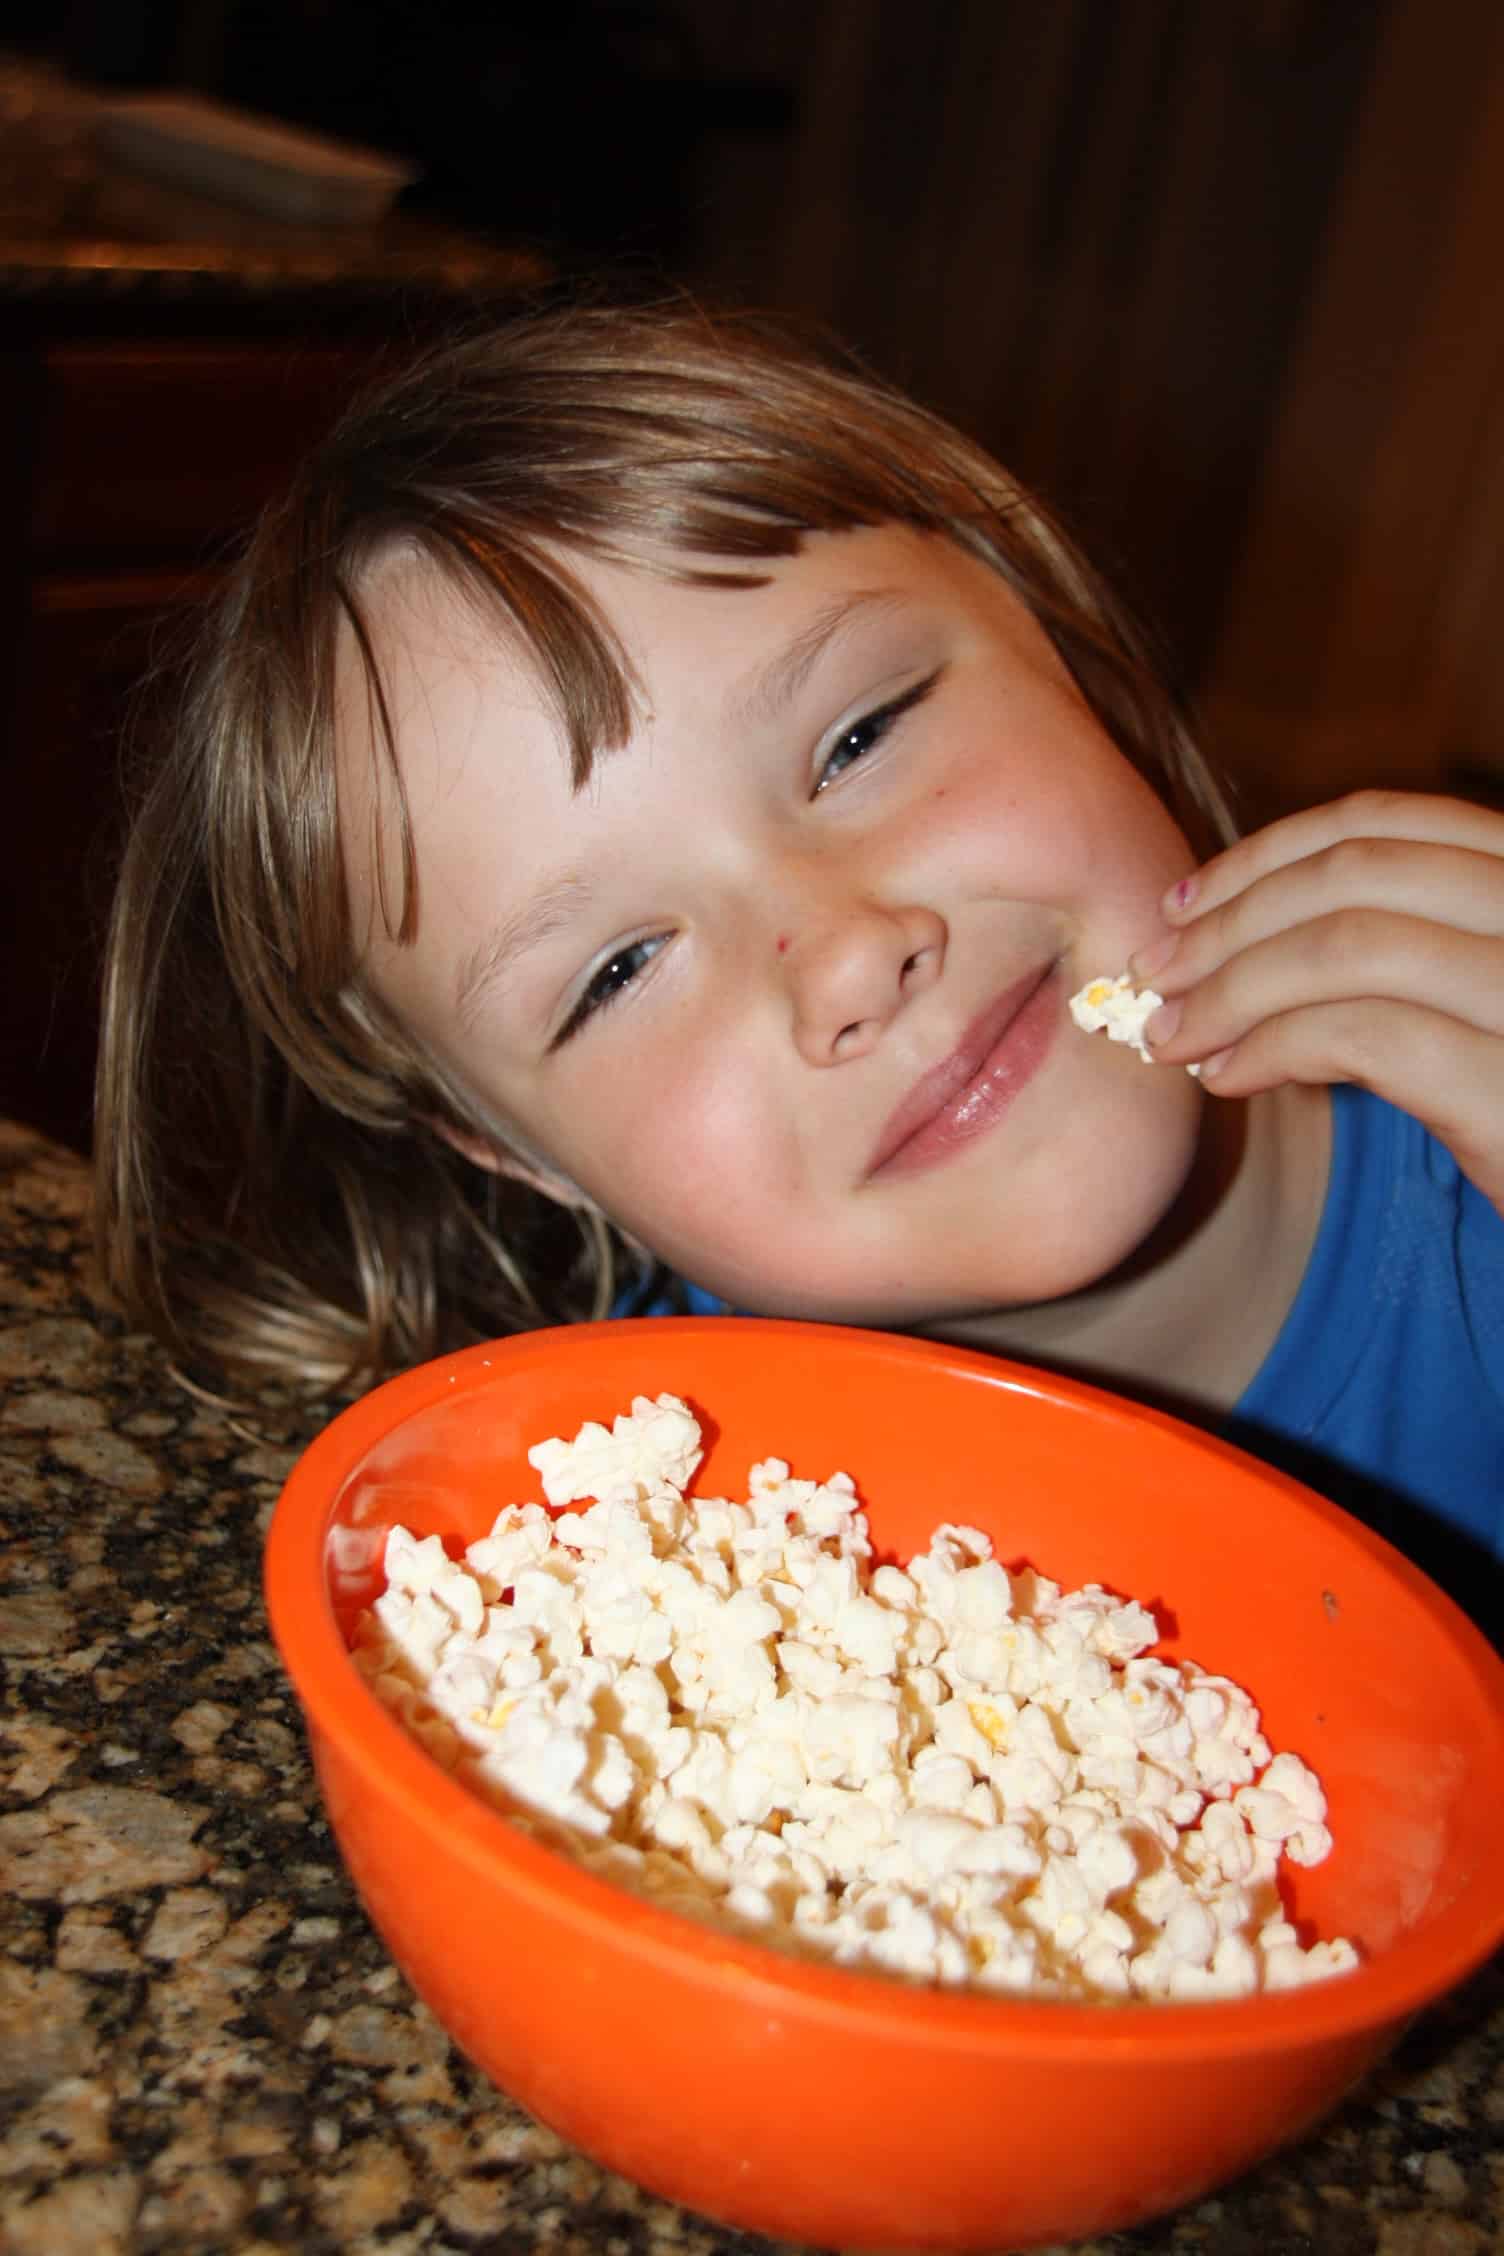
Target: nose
(851, 972)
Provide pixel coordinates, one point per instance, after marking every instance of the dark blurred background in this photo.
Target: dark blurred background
(1219, 276)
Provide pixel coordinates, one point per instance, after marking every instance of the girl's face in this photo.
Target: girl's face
(783, 989)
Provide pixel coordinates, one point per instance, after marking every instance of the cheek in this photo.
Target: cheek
(1128, 846)
(686, 1155)
(1138, 852)
(1066, 822)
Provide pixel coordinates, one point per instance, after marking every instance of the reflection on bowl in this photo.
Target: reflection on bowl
(798, 2099)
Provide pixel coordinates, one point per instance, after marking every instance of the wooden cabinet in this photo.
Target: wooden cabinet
(1361, 642)
(129, 467)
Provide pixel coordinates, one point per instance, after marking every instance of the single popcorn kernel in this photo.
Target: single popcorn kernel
(945, 1773)
(1116, 1008)
(990, 1721)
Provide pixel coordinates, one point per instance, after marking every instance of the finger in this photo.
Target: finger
(1448, 1074)
(1448, 886)
(1354, 956)
(1422, 817)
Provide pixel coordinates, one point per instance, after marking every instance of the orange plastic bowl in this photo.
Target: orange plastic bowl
(804, 2101)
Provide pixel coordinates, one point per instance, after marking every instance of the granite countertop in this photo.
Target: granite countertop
(204, 2046)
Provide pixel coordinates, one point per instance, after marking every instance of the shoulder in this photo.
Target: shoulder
(1390, 1365)
(1408, 1248)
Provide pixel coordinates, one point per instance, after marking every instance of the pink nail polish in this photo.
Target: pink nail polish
(1181, 894)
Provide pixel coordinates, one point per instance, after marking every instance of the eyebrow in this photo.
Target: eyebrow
(502, 948)
(766, 694)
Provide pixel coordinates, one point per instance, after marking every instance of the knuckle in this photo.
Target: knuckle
(1346, 942)
(1354, 1039)
(1371, 808)
(1353, 865)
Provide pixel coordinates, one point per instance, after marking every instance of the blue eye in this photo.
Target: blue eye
(612, 980)
(863, 736)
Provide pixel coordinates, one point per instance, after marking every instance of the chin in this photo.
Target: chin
(1086, 1229)
(1023, 1242)
(1070, 1260)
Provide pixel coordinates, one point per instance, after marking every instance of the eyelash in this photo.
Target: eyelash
(604, 989)
(610, 983)
(873, 727)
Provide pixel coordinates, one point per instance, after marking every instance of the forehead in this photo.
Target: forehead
(698, 609)
(714, 632)
(407, 703)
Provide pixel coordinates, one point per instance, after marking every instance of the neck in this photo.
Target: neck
(1190, 1318)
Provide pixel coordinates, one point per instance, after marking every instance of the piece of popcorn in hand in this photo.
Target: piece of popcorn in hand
(1116, 1008)
(1121, 1011)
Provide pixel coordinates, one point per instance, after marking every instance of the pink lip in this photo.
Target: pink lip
(965, 1095)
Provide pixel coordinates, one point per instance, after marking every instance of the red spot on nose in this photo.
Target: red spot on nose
(783, 943)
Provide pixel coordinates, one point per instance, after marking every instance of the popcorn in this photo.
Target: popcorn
(944, 1773)
(1116, 1008)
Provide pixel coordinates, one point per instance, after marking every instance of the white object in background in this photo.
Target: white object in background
(253, 161)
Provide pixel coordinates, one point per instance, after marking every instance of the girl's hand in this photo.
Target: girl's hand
(1361, 941)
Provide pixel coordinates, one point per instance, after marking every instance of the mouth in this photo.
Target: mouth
(967, 1093)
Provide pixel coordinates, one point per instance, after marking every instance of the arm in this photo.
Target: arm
(1361, 941)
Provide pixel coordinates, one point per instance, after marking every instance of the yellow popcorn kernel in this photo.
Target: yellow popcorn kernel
(990, 1721)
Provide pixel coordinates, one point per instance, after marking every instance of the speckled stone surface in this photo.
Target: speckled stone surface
(203, 2045)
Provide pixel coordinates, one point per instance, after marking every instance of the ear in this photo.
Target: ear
(495, 1158)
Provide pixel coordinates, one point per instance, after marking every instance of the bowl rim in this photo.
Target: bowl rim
(342, 1708)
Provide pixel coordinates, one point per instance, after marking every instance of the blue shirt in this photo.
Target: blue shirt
(1385, 1387)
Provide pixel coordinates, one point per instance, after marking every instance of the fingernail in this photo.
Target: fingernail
(1147, 961)
(1163, 1023)
(1210, 1067)
(1180, 896)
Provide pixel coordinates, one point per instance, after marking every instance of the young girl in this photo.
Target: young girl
(646, 799)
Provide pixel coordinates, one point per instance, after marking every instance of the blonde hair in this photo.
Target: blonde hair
(273, 1193)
